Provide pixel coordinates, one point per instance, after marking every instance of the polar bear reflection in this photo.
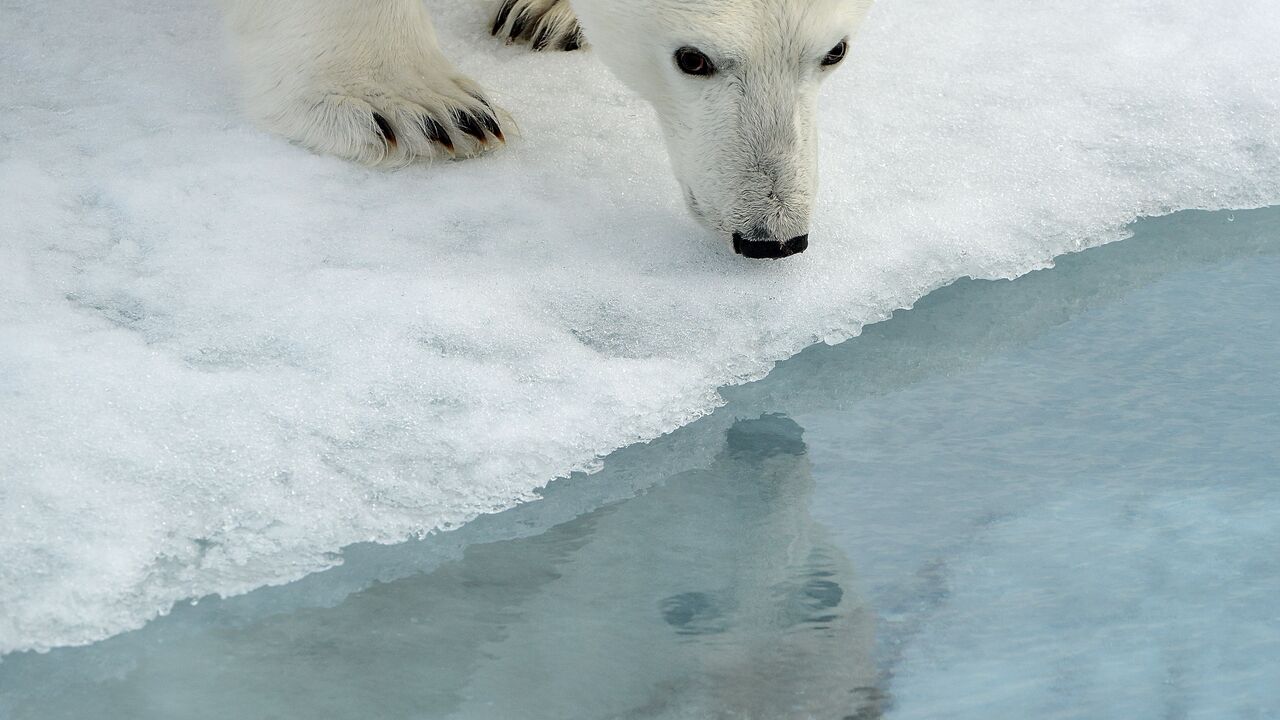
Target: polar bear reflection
(712, 595)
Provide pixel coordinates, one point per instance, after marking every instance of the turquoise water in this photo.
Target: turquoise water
(1057, 497)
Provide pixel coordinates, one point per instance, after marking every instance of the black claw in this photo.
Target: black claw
(384, 129)
(574, 42)
(469, 124)
(518, 25)
(501, 19)
(435, 132)
(542, 38)
(491, 124)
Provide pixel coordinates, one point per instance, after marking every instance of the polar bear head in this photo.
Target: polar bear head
(734, 84)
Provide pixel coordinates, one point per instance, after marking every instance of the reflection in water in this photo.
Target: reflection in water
(712, 594)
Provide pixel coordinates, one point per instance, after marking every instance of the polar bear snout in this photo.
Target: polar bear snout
(734, 85)
(768, 248)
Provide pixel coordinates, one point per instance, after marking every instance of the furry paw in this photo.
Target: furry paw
(360, 79)
(545, 24)
(388, 122)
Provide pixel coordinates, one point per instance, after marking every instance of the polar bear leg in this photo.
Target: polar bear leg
(362, 79)
(545, 24)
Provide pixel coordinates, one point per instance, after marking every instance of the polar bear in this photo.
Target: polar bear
(733, 82)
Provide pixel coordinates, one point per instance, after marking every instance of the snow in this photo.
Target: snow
(222, 358)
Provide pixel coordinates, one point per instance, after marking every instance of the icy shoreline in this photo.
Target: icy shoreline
(222, 359)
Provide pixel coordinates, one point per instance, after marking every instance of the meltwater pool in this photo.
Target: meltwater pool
(1057, 497)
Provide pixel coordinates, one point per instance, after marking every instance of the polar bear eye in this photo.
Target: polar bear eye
(836, 55)
(691, 61)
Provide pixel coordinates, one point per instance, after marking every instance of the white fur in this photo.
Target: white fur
(742, 142)
(316, 71)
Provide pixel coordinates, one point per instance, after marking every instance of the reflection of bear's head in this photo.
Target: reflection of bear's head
(795, 639)
(734, 84)
(713, 594)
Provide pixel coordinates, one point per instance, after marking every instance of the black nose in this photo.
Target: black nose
(771, 249)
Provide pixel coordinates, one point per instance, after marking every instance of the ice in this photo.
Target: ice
(222, 359)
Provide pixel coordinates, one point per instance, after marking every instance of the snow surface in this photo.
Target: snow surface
(222, 358)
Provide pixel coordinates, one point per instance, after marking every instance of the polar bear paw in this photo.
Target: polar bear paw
(544, 24)
(392, 121)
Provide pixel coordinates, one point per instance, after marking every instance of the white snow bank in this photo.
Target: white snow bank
(222, 358)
